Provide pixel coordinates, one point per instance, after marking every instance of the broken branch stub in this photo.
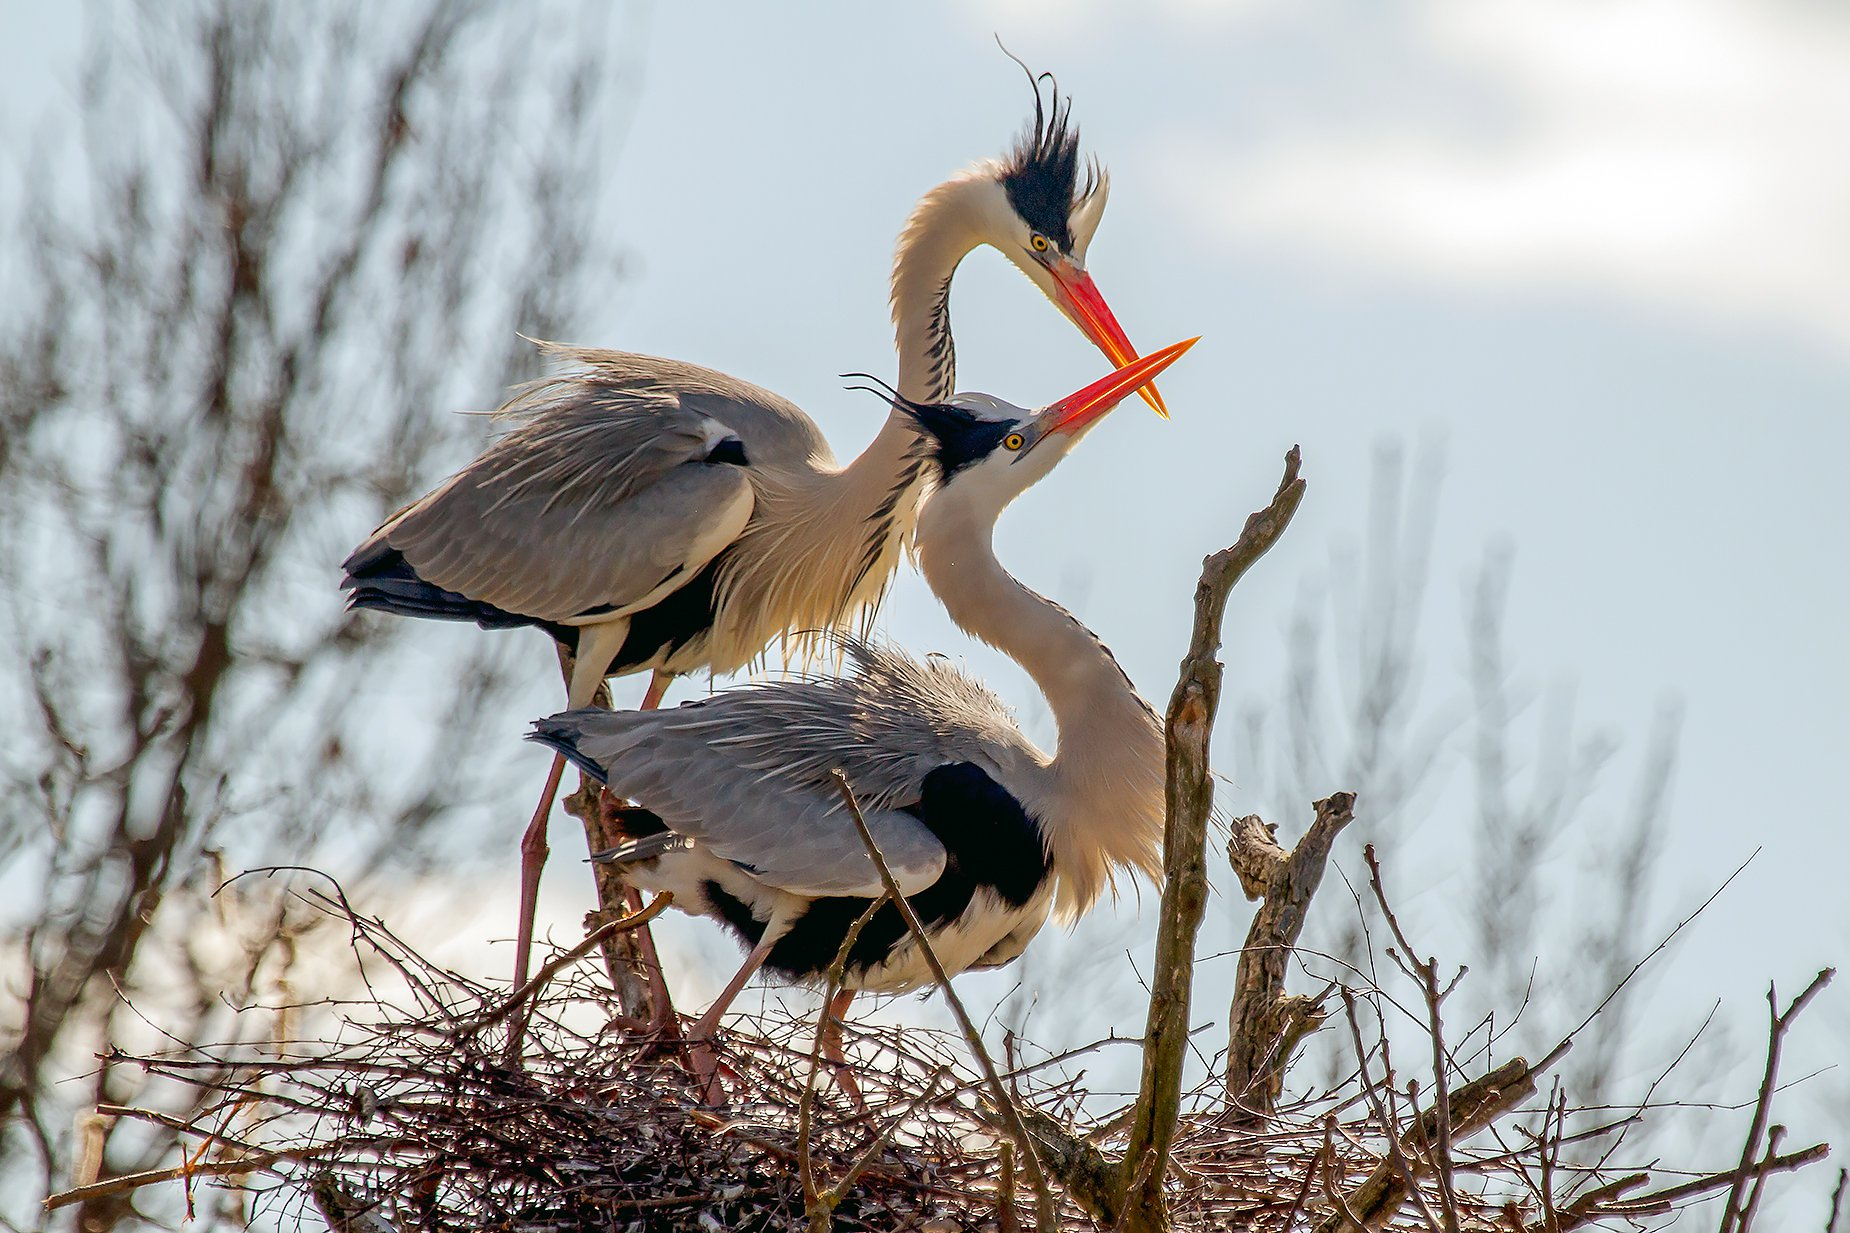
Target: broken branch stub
(1266, 1025)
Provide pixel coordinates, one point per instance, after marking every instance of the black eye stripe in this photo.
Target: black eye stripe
(961, 438)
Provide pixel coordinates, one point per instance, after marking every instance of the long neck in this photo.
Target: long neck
(824, 542)
(1101, 795)
(943, 229)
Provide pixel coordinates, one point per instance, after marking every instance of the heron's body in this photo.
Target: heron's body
(737, 811)
(653, 514)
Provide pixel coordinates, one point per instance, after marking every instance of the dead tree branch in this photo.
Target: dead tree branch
(1189, 801)
(1474, 1106)
(1264, 1025)
(1736, 1217)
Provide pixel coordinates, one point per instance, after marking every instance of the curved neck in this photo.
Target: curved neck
(1101, 794)
(944, 227)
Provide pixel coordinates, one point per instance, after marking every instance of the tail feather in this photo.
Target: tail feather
(561, 733)
(634, 851)
(379, 579)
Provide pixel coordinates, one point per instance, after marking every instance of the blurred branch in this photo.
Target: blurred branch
(1189, 725)
(281, 242)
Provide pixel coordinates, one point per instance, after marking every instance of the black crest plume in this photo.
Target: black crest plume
(1041, 174)
(957, 437)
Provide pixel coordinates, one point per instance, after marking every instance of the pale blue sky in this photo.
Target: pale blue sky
(1600, 251)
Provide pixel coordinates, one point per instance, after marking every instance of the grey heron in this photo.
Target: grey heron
(653, 515)
(736, 811)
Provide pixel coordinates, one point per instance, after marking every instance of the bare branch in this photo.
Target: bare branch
(1263, 1025)
(1188, 726)
(1735, 1217)
(1474, 1106)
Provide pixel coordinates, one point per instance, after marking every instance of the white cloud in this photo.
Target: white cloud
(1692, 153)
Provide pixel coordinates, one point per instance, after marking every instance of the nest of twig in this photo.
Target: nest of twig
(415, 1113)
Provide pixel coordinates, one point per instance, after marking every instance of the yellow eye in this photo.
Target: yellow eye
(1038, 242)
(1013, 441)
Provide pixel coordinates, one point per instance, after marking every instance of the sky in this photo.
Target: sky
(1595, 256)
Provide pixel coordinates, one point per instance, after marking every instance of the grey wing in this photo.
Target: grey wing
(560, 555)
(776, 432)
(599, 500)
(794, 835)
(748, 772)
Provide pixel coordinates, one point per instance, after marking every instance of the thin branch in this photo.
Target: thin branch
(1426, 971)
(1734, 1217)
(1046, 1212)
(1585, 1211)
(212, 1168)
(1474, 1106)
(816, 1205)
(539, 980)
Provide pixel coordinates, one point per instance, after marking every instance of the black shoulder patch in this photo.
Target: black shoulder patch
(958, 437)
(990, 837)
(990, 842)
(730, 451)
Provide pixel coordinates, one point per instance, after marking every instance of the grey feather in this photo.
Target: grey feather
(747, 774)
(630, 851)
(776, 432)
(597, 494)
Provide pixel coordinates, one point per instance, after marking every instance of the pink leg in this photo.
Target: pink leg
(533, 859)
(831, 1048)
(658, 685)
(662, 1020)
(700, 1051)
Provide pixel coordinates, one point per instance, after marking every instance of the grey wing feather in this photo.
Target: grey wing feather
(527, 552)
(775, 430)
(646, 848)
(747, 773)
(595, 498)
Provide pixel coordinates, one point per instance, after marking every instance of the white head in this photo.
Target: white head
(988, 452)
(1034, 207)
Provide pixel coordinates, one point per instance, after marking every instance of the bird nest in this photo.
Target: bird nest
(440, 1103)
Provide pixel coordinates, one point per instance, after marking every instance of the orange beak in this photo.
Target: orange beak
(1075, 411)
(1080, 300)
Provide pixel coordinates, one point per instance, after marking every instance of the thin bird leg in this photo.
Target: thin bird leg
(662, 1020)
(700, 1049)
(533, 859)
(583, 678)
(839, 1066)
(658, 685)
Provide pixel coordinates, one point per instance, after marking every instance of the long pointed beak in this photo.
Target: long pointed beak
(1087, 308)
(1075, 411)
